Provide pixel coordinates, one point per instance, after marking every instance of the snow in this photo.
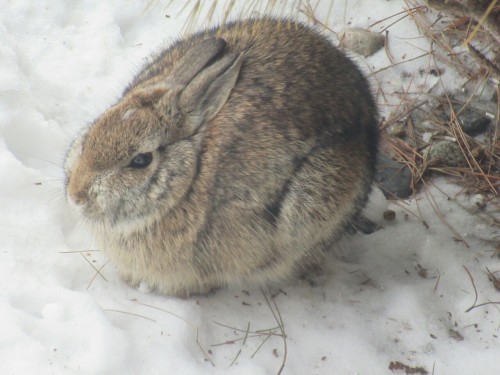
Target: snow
(399, 294)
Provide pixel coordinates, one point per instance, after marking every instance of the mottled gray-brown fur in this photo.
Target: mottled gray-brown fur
(263, 139)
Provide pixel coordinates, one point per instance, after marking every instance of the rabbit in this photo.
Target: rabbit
(240, 154)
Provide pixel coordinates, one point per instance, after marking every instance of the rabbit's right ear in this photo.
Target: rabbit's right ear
(198, 86)
(200, 83)
(205, 95)
(195, 59)
(164, 94)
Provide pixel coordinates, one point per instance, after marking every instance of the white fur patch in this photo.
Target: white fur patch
(129, 112)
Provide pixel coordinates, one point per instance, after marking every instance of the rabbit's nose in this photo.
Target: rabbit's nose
(78, 189)
(78, 198)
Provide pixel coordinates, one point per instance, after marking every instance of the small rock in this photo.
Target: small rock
(362, 41)
(393, 178)
(444, 154)
(471, 122)
(389, 215)
(363, 225)
(398, 131)
(455, 335)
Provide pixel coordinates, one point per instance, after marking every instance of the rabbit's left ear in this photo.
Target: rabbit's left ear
(164, 94)
(197, 87)
(205, 95)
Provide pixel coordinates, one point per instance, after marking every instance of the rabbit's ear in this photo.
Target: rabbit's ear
(195, 59)
(197, 87)
(205, 95)
(164, 94)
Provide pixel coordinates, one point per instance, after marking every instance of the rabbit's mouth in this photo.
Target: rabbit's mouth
(86, 212)
(76, 207)
(88, 207)
(120, 214)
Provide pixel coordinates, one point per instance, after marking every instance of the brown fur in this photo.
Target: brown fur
(252, 176)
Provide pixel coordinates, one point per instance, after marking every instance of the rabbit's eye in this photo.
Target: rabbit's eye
(141, 160)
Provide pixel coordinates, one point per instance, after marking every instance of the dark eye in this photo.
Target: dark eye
(141, 160)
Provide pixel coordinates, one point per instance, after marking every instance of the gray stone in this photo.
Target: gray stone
(393, 178)
(444, 154)
(472, 122)
(362, 41)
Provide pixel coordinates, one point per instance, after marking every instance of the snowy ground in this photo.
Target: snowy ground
(399, 294)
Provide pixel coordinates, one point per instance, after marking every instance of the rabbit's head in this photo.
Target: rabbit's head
(139, 157)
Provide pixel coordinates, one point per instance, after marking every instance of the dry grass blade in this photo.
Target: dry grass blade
(198, 342)
(465, 146)
(78, 251)
(437, 283)
(483, 304)
(267, 331)
(470, 17)
(387, 49)
(250, 336)
(167, 312)
(481, 57)
(308, 11)
(486, 217)
(131, 314)
(261, 333)
(97, 270)
(475, 289)
(400, 115)
(242, 345)
(227, 8)
(98, 273)
(439, 214)
(480, 22)
(495, 280)
(408, 156)
(438, 36)
(401, 62)
(260, 346)
(211, 11)
(474, 305)
(406, 11)
(279, 319)
(194, 13)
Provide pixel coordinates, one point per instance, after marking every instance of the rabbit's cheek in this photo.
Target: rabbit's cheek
(175, 172)
(87, 202)
(78, 208)
(110, 195)
(102, 200)
(74, 153)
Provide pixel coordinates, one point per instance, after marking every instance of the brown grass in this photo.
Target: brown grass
(262, 334)
(482, 170)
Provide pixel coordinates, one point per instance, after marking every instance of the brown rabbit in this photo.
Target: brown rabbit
(238, 154)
